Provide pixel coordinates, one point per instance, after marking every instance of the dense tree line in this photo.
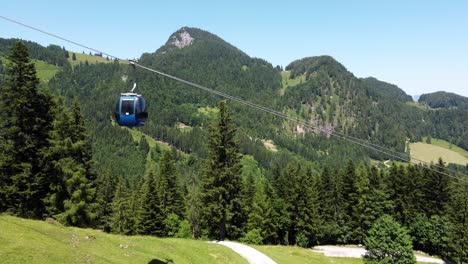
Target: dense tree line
(52, 54)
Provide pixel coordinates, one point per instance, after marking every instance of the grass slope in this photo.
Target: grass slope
(82, 58)
(286, 82)
(438, 148)
(45, 71)
(447, 145)
(284, 254)
(31, 241)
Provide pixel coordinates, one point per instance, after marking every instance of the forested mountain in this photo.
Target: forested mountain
(268, 180)
(444, 100)
(387, 90)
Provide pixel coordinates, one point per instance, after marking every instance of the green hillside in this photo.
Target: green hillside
(83, 58)
(438, 149)
(45, 71)
(30, 241)
(443, 100)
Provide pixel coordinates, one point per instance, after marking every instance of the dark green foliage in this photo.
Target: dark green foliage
(444, 100)
(74, 56)
(437, 186)
(430, 235)
(121, 219)
(222, 180)
(388, 242)
(458, 215)
(72, 167)
(260, 227)
(168, 186)
(150, 215)
(333, 206)
(253, 236)
(386, 90)
(53, 54)
(193, 202)
(106, 190)
(361, 212)
(25, 122)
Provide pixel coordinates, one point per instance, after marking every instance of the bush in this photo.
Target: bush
(302, 240)
(184, 230)
(171, 224)
(388, 242)
(254, 236)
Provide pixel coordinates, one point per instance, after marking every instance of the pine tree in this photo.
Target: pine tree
(25, 122)
(349, 195)
(222, 177)
(260, 216)
(121, 219)
(398, 182)
(194, 206)
(379, 198)
(361, 217)
(150, 215)
(168, 186)
(458, 215)
(73, 191)
(437, 189)
(333, 206)
(106, 189)
(308, 218)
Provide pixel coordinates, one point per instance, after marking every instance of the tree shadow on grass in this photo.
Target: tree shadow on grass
(158, 261)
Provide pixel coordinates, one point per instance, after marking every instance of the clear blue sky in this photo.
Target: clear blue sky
(421, 46)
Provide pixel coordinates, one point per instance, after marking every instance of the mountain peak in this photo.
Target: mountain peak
(309, 65)
(181, 39)
(188, 36)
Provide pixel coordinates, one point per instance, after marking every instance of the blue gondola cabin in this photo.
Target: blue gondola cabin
(130, 110)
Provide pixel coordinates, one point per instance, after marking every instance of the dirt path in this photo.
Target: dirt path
(358, 252)
(252, 255)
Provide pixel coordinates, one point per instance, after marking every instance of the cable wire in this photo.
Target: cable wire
(366, 144)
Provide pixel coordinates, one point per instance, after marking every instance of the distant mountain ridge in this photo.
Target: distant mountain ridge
(443, 99)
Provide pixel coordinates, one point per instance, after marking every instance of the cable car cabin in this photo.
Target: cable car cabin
(131, 110)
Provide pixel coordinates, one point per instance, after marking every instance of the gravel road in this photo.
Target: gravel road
(252, 255)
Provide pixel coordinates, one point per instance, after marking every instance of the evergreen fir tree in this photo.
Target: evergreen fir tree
(150, 215)
(333, 206)
(73, 191)
(379, 198)
(79, 208)
(106, 189)
(261, 213)
(168, 186)
(361, 218)
(25, 122)
(437, 189)
(458, 215)
(194, 206)
(309, 220)
(121, 219)
(222, 178)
